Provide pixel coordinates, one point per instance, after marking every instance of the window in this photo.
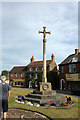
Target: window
(36, 76)
(31, 69)
(74, 59)
(21, 74)
(62, 68)
(14, 83)
(12, 75)
(22, 83)
(17, 75)
(30, 76)
(72, 68)
(36, 84)
(18, 83)
(37, 69)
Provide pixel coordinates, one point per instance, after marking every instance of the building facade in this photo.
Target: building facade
(70, 72)
(18, 75)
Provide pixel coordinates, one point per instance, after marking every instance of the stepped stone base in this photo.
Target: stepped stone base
(50, 92)
(45, 95)
(39, 98)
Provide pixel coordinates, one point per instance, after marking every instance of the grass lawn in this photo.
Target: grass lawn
(51, 112)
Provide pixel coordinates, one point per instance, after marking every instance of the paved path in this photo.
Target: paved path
(22, 114)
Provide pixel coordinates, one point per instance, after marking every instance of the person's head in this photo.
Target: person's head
(3, 77)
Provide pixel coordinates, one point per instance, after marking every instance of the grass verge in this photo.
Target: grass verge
(51, 112)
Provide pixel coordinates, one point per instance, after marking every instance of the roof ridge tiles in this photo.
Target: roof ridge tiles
(39, 62)
(19, 66)
(69, 57)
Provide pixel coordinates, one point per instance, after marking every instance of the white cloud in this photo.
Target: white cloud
(21, 23)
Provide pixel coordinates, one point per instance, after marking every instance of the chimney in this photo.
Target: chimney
(32, 59)
(76, 51)
(52, 57)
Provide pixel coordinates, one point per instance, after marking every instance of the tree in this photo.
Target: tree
(6, 73)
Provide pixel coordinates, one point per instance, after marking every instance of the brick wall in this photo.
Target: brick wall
(78, 67)
(52, 66)
(39, 68)
(13, 76)
(20, 76)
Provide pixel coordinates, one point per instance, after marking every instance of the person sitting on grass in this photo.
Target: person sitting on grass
(69, 100)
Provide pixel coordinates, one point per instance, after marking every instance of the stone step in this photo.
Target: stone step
(39, 96)
(51, 92)
(49, 101)
(44, 98)
(32, 99)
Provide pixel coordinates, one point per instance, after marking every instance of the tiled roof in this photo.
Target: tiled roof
(18, 69)
(71, 58)
(37, 63)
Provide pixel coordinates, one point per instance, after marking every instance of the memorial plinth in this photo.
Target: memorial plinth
(46, 88)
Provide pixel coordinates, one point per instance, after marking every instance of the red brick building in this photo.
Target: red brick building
(70, 72)
(38, 65)
(17, 75)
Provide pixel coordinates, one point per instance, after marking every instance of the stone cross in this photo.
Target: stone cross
(44, 79)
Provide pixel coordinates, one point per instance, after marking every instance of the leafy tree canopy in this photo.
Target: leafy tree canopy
(6, 73)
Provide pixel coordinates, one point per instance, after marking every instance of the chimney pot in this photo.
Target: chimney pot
(32, 59)
(52, 57)
(76, 51)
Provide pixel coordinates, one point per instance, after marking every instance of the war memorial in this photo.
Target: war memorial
(44, 93)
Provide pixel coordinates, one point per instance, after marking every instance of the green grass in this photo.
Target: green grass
(52, 112)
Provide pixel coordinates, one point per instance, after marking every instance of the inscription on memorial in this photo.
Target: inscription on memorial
(45, 87)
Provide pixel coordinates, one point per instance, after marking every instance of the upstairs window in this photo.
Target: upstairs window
(74, 59)
(21, 74)
(62, 69)
(72, 68)
(37, 69)
(12, 75)
(30, 69)
(17, 75)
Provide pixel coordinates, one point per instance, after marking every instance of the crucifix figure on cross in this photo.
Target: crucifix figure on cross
(44, 79)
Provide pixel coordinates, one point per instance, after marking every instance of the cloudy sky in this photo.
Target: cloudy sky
(21, 23)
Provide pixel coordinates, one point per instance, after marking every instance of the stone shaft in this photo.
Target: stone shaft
(44, 79)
